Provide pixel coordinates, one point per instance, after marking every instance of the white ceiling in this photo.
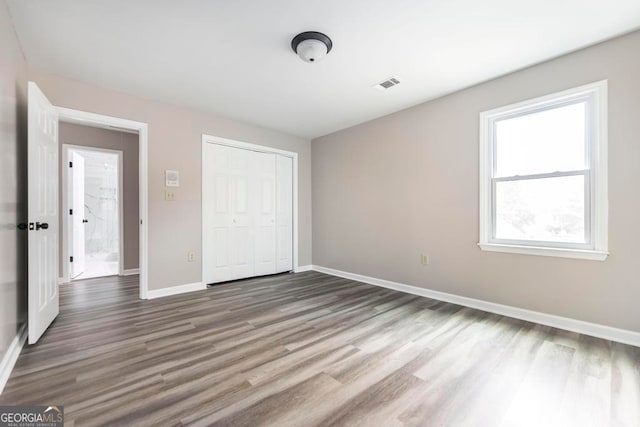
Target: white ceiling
(234, 57)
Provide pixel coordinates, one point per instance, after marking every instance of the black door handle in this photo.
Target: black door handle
(84, 221)
(22, 226)
(43, 225)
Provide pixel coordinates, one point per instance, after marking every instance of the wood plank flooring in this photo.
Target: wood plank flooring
(315, 350)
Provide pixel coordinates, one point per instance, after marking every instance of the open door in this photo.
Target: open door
(43, 212)
(76, 249)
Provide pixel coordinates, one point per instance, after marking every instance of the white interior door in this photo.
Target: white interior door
(242, 208)
(284, 214)
(76, 248)
(217, 214)
(228, 222)
(42, 170)
(247, 213)
(264, 195)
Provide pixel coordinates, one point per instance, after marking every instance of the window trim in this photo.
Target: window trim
(596, 197)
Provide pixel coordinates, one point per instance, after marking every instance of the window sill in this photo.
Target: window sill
(545, 251)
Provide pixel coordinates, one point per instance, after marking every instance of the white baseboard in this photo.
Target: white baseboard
(11, 356)
(303, 268)
(175, 290)
(592, 329)
(130, 272)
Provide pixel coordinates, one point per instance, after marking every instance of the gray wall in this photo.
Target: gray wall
(13, 203)
(87, 136)
(175, 142)
(390, 189)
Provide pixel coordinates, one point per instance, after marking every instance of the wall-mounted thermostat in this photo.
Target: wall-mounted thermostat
(172, 178)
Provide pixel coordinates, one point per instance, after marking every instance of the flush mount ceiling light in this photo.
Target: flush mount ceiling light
(311, 46)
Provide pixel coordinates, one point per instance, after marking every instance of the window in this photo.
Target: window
(543, 175)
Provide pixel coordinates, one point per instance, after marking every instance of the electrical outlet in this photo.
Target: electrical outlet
(170, 196)
(424, 259)
(191, 256)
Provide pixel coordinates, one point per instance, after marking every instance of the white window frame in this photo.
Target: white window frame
(596, 187)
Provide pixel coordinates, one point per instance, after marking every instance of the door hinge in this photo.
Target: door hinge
(70, 259)
(70, 164)
(70, 211)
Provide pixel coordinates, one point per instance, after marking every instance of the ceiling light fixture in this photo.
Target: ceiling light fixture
(311, 46)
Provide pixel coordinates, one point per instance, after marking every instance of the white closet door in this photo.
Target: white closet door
(242, 206)
(284, 213)
(265, 213)
(247, 213)
(218, 215)
(228, 243)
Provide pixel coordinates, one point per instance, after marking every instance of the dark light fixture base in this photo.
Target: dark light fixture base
(311, 35)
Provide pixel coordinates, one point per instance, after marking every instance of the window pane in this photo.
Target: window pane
(549, 209)
(547, 141)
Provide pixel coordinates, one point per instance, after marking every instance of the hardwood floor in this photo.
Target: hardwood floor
(310, 349)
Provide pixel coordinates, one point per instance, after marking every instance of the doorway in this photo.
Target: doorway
(132, 210)
(44, 211)
(94, 194)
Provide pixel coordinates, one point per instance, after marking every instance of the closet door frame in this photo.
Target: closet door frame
(210, 139)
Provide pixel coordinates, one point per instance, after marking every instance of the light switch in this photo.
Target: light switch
(170, 195)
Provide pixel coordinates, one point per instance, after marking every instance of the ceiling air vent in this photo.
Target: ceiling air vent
(388, 83)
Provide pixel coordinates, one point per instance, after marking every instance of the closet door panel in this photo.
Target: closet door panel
(265, 213)
(284, 213)
(217, 219)
(247, 213)
(241, 248)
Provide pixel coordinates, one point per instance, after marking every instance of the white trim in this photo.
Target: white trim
(176, 290)
(210, 139)
(545, 251)
(66, 186)
(592, 329)
(303, 268)
(98, 120)
(130, 272)
(600, 163)
(11, 356)
(596, 201)
(295, 212)
(246, 145)
(61, 280)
